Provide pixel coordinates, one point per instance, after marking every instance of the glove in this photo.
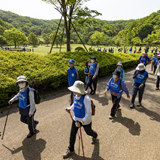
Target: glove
(141, 86)
(81, 123)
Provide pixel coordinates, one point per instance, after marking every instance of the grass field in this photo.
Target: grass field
(44, 49)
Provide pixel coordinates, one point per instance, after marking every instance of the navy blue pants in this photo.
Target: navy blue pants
(116, 105)
(157, 82)
(74, 129)
(28, 120)
(134, 93)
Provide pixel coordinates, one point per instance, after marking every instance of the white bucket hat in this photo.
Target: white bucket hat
(141, 67)
(119, 64)
(21, 79)
(78, 87)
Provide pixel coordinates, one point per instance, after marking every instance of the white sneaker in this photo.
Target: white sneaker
(131, 105)
(138, 104)
(111, 117)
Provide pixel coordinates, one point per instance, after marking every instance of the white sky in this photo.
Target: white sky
(110, 9)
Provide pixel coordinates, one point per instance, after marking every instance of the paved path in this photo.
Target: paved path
(133, 135)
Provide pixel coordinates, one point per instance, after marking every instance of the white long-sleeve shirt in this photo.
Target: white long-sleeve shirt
(88, 111)
(31, 99)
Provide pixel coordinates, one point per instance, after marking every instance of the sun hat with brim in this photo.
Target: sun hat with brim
(141, 67)
(71, 61)
(119, 64)
(93, 57)
(21, 79)
(78, 87)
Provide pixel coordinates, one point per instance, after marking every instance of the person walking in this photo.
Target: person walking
(86, 72)
(82, 116)
(93, 76)
(153, 61)
(116, 86)
(144, 59)
(26, 104)
(140, 76)
(73, 75)
(120, 68)
(157, 72)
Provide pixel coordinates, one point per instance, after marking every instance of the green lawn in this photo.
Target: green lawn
(44, 49)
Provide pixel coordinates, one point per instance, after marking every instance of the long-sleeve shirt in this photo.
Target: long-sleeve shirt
(122, 88)
(96, 71)
(88, 110)
(31, 99)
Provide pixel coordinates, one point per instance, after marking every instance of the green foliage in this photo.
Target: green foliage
(79, 49)
(33, 39)
(97, 37)
(2, 40)
(14, 35)
(46, 40)
(51, 70)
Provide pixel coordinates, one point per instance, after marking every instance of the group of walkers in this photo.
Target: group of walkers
(80, 101)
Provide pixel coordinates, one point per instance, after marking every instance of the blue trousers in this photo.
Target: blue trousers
(134, 93)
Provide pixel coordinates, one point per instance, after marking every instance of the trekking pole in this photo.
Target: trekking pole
(5, 123)
(77, 132)
(82, 144)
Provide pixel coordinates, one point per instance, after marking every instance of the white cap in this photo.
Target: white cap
(21, 79)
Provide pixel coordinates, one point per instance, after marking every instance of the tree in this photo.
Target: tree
(136, 40)
(97, 37)
(58, 38)
(2, 40)
(15, 36)
(33, 39)
(46, 40)
(151, 38)
(71, 10)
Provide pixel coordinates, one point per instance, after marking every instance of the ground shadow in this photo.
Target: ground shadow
(153, 115)
(95, 154)
(31, 148)
(134, 127)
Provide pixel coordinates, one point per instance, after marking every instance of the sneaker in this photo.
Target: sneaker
(35, 123)
(67, 154)
(118, 108)
(131, 105)
(30, 135)
(111, 117)
(138, 104)
(94, 140)
(157, 88)
(91, 92)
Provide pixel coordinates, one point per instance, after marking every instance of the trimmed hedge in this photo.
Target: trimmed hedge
(51, 69)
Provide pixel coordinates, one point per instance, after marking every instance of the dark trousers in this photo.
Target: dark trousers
(74, 129)
(94, 82)
(30, 121)
(157, 82)
(72, 98)
(134, 94)
(116, 105)
(155, 67)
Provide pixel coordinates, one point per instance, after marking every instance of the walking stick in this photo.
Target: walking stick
(77, 132)
(82, 144)
(5, 123)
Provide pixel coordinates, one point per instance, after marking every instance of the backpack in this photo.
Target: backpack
(99, 72)
(92, 106)
(37, 97)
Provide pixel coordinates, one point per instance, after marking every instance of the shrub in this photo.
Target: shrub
(51, 70)
(79, 49)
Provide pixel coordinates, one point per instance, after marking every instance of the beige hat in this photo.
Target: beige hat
(141, 67)
(78, 87)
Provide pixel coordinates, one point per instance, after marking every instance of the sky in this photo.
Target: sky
(110, 9)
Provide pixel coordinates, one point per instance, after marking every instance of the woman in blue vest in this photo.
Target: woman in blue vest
(26, 104)
(157, 72)
(82, 116)
(144, 59)
(140, 76)
(116, 86)
(86, 72)
(153, 62)
(119, 68)
(93, 76)
(73, 75)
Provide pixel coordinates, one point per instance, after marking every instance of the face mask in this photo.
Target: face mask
(92, 60)
(89, 64)
(22, 85)
(114, 76)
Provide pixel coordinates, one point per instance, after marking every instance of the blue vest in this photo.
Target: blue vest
(143, 60)
(115, 86)
(121, 72)
(23, 99)
(72, 76)
(92, 68)
(140, 77)
(79, 109)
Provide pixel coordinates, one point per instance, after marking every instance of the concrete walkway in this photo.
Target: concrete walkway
(133, 135)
